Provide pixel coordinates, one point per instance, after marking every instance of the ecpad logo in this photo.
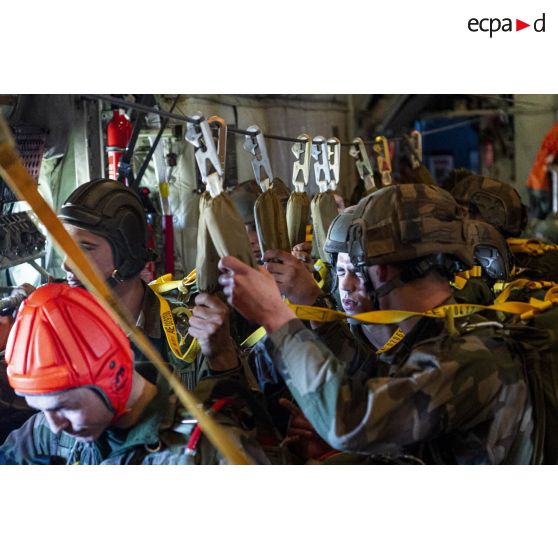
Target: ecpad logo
(494, 24)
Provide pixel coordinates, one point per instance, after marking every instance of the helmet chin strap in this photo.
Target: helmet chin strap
(370, 290)
(403, 277)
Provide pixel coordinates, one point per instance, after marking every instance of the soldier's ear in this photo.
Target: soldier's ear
(378, 274)
(385, 272)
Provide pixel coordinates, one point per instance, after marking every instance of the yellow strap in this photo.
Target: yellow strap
(459, 282)
(166, 283)
(321, 268)
(171, 333)
(395, 316)
(13, 171)
(252, 339)
(523, 284)
(530, 246)
(461, 278)
(308, 233)
(476, 271)
(396, 338)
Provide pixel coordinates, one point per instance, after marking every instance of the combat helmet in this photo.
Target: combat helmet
(244, 197)
(491, 251)
(492, 201)
(64, 339)
(113, 211)
(418, 225)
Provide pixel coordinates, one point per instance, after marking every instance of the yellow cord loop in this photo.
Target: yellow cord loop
(321, 268)
(394, 340)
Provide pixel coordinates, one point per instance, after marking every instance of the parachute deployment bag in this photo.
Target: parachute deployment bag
(221, 232)
(324, 211)
(271, 223)
(298, 208)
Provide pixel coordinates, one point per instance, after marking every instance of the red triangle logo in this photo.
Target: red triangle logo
(519, 25)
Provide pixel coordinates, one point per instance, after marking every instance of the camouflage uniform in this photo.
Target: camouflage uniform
(342, 342)
(444, 399)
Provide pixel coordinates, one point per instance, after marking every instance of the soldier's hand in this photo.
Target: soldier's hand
(254, 294)
(303, 252)
(209, 324)
(301, 435)
(292, 277)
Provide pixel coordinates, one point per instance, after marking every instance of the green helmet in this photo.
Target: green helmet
(244, 197)
(111, 210)
(493, 202)
(455, 177)
(491, 250)
(401, 223)
(418, 225)
(338, 234)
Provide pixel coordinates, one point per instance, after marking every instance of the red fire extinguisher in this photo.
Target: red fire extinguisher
(119, 131)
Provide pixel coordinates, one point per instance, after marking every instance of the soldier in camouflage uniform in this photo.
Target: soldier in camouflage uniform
(493, 262)
(499, 204)
(96, 409)
(444, 398)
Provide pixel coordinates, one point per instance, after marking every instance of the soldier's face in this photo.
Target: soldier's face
(352, 287)
(79, 412)
(254, 243)
(97, 249)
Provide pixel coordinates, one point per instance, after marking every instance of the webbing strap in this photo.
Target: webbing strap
(164, 284)
(13, 171)
(252, 339)
(523, 284)
(321, 268)
(460, 280)
(530, 246)
(395, 316)
(176, 344)
(394, 340)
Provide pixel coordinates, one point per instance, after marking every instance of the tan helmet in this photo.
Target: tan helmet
(493, 202)
(406, 222)
(491, 250)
